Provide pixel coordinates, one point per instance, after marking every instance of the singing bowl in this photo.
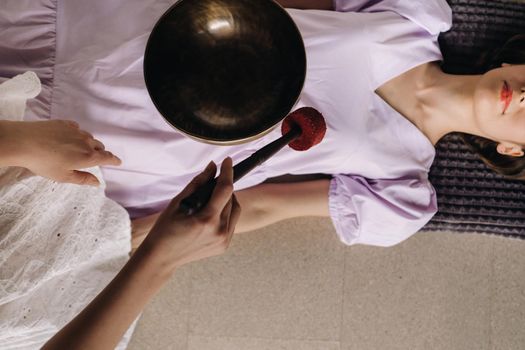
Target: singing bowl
(225, 71)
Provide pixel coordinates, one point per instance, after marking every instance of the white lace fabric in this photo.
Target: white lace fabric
(60, 244)
(15, 92)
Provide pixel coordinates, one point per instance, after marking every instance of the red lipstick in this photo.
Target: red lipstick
(506, 96)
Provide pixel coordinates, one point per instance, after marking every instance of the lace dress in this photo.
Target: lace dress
(60, 244)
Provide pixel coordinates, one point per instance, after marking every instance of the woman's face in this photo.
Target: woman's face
(499, 106)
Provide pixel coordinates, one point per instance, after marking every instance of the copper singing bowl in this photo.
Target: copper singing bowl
(225, 71)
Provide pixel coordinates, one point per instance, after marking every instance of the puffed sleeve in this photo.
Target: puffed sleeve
(435, 16)
(379, 212)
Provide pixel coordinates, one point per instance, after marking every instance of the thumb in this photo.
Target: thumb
(82, 178)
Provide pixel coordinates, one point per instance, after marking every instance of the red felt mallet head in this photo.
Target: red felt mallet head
(312, 125)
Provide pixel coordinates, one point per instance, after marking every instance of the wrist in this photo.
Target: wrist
(11, 143)
(156, 258)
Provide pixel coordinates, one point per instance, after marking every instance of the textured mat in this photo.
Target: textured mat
(471, 197)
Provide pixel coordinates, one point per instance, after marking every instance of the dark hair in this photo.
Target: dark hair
(512, 52)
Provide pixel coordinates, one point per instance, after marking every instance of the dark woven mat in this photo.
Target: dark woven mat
(471, 197)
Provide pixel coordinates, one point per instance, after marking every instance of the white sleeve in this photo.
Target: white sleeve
(15, 92)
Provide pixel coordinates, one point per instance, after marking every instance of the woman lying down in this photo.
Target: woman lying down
(373, 72)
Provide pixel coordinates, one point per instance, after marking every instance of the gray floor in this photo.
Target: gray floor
(293, 286)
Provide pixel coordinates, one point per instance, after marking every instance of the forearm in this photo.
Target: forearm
(256, 207)
(104, 321)
(176, 239)
(10, 146)
(307, 4)
(263, 205)
(269, 203)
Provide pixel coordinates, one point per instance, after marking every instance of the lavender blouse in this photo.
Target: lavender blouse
(89, 56)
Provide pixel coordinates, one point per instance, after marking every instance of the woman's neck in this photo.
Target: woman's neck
(437, 103)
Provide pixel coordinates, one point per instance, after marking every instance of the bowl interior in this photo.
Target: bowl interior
(225, 70)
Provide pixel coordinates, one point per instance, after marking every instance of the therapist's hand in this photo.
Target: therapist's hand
(181, 239)
(176, 239)
(56, 149)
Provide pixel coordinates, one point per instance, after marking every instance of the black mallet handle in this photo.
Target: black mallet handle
(198, 199)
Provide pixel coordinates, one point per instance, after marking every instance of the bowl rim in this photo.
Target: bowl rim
(212, 140)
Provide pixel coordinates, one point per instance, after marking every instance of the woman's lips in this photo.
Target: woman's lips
(506, 96)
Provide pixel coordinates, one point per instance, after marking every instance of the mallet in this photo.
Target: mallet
(301, 130)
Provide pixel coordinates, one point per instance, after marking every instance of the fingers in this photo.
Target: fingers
(97, 158)
(70, 123)
(92, 141)
(105, 158)
(96, 144)
(197, 181)
(100, 156)
(87, 137)
(81, 178)
(223, 190)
